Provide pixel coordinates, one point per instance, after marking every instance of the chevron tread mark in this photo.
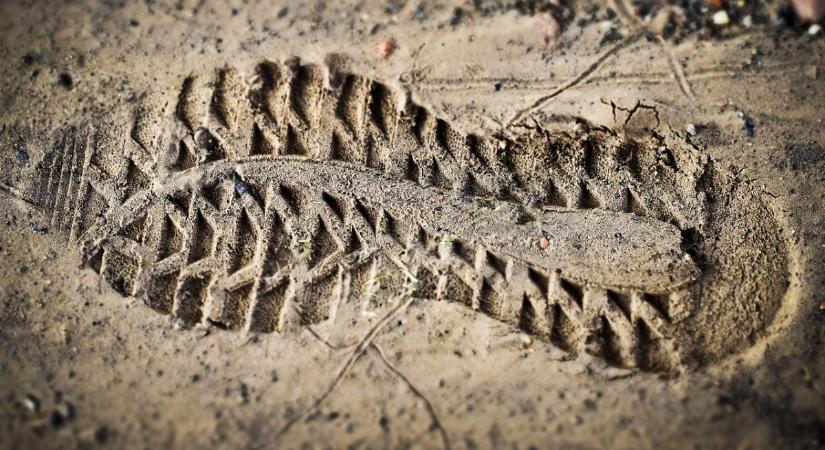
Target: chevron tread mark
(270, 196)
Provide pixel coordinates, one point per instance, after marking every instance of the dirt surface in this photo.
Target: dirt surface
(411, 225)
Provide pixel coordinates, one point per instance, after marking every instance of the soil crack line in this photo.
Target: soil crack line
(631, 111)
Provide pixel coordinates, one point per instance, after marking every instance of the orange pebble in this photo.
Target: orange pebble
(544, 243)
(386, 48)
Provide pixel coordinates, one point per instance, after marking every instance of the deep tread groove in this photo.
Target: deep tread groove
(323, 245)
(184, 109)
(214, 150)
(191, 298)
(201, 242)
(277, 253)
(244, 249)
(587, 199)
(160, 292)
(293, 145)
(266, 315)
(334, 204)
(120, 271)
(260, 144)
(185, 159)
(291, 198)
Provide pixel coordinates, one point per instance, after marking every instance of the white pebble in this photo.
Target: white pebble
(747, 21)
(691, 129)
(721, 18)
(32, 404)
(814, 29)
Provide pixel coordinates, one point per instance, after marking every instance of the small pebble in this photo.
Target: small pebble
(32, 403)
(241, 188)
(548, 29)
(721, 18)
(747, 21)
(39, 229)
(22, 157)
(747, 123)
(386, 48)
(544, 243)
(457, 16)
(814, 29)
(691, 129)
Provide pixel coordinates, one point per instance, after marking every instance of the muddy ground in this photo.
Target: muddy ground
(708, 269)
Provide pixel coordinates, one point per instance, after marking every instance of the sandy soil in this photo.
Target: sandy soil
(410, 225)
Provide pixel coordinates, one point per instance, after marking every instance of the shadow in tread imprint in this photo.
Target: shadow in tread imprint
(274, 197)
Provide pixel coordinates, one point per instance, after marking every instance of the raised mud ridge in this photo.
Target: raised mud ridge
(257, 201)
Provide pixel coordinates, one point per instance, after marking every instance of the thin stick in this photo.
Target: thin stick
(684, 85)
(329, 344)
(445, 438)
(359, 350)
(575, 81)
